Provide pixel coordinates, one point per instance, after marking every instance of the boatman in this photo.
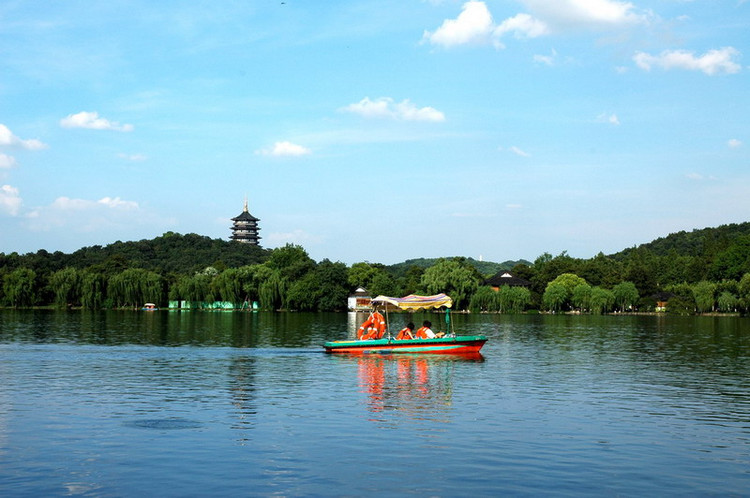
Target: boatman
(373, 328)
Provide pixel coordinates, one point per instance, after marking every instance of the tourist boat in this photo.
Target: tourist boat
(449, 344)
(149, 307)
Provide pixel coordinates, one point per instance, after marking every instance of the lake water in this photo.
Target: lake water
(217, 403)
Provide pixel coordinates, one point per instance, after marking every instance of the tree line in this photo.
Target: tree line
(697, 272)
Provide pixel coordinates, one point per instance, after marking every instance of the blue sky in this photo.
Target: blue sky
(374, 130)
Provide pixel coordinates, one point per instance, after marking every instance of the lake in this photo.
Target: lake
(233, 403)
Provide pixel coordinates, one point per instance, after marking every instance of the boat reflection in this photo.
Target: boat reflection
(419, 386)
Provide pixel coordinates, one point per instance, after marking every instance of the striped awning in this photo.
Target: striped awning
(412, 302)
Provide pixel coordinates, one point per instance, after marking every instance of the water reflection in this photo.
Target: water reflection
(417, 386)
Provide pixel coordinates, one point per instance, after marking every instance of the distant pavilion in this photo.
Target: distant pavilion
(245, 228)
(504, 278)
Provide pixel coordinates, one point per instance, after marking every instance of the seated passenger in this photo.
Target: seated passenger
(406, 332)
(425, 332)
(373, 328)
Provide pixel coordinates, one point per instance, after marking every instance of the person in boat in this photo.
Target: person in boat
(372, 328)
(406, 332)
(425, 331)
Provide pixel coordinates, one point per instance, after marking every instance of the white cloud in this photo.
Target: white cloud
(519, 152)
(473, 25)
(10, 201)
(522, 26)
(608, 118)
(385, 107)
(6, 161)
(546, 59)
(281, 149)
(92, 121)
(712, 62)
(9, 139)
(586, 12)
(734, 143)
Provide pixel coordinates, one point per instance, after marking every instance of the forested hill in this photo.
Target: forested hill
(168, 253)
(486, 268)
(704, 243)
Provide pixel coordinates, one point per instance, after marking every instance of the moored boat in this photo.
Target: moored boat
(449, 343)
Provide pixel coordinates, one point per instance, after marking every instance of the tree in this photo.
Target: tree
(228, 285)
(453, 278)
(65, 285)
(514, 299)
(272, 288)
(135, 286)
(626, 295)
(744, 291)
(727, 302)
(581, 298)
(92, 285)
(601, 300)
(19, 287)
(558, 294)
(733, 262)
(291, 261)
(333, 285)
(683, 301)
(555, 296)
(362, 274)
(303, 294)
(484, 299)
(703, 293)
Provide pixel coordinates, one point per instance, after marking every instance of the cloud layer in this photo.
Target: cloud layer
(386, 107)
(712, 62)
(92, 121)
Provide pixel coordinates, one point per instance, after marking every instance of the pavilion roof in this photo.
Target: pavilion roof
(505, 277)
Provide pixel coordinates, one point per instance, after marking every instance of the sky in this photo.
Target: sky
(374, 130)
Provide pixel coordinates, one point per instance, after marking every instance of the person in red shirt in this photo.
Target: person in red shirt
(425, 332)
(406, 332)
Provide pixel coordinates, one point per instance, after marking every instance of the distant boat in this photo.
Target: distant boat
(149, 307)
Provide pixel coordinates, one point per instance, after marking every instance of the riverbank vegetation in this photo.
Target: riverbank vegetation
(701, 271)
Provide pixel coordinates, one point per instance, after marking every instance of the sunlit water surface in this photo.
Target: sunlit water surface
(191, 404)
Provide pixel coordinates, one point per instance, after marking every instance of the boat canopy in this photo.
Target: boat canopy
(412, 302)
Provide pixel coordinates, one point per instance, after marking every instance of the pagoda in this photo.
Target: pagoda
(245, 228)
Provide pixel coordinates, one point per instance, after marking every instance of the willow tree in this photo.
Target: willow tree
(272, 289)
(65, 284)
(626, 295)
(92, 289)
(555, 296)
(457, 280)
(582, 296)
(19, 287)
(601, 300)
(485, 299)
(727, 302)
(135, 286)
(228, 285)
(514, 299)
(704, 293)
